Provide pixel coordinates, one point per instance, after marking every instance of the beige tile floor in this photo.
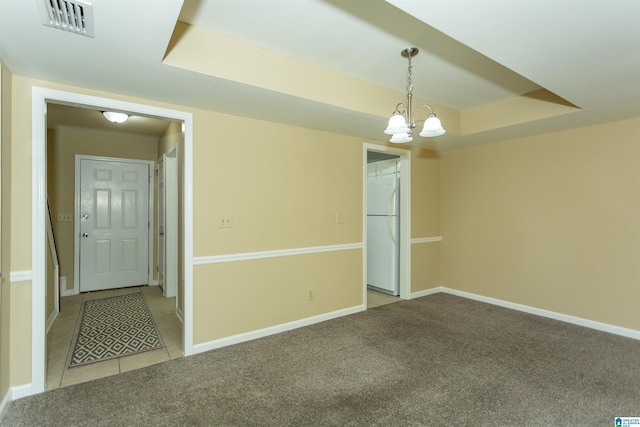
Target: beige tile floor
(60, 338)
(376, 299)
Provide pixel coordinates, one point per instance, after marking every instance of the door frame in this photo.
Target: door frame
(405, 217)
(39, 98)
(172, 154)
(76, 226)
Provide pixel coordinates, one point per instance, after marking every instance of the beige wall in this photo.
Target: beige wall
(62, 146)
(551, 221)
(425, 219)
(237, 297)
(171, 138)
(425, 266)
(5, 225)
(425, 194)
(283, 186)
(15, 353)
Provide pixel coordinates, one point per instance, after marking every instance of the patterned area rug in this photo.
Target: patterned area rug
(114, 327)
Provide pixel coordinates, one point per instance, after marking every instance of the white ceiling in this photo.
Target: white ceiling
(472, 53)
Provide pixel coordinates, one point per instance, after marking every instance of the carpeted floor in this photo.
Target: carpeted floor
(438, 360)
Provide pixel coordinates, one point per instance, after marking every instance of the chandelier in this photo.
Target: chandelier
(402, 121)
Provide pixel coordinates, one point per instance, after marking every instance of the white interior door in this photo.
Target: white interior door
(114, 224)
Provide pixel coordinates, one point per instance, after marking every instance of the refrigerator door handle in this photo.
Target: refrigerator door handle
(393, 237)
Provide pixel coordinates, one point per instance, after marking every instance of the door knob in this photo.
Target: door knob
(85, 235)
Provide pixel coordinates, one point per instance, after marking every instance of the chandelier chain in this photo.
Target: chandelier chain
(409, 80)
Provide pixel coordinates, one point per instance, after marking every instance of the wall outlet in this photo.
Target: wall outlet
(310, 295)
(65, 217)
(338, 218)
(225, 222)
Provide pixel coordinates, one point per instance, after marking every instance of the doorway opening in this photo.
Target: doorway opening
(105, 232)
(40, 99)
(387, 207)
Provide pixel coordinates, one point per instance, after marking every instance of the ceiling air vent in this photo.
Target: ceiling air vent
(70, 15)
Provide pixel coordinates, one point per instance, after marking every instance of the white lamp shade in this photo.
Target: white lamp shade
(400, 138)
(396, 125)
(115, 117)
(432, 127)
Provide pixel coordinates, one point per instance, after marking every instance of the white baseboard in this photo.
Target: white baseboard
(52, 318)
(14, 393)
(20, 391)
(248, 336)
(4, 403)
(426, 292)
(605, 327)
(67, 292)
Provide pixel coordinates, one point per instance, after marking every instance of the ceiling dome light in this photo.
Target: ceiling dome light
(115, 117)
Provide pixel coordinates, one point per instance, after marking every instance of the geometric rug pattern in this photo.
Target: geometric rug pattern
(113, 327)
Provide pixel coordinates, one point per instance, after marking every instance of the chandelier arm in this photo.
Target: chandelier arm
(399, 111)
(417, 108)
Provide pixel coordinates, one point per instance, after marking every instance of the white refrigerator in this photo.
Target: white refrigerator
(383, 251)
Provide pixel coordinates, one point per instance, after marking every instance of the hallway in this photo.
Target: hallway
(60, 339)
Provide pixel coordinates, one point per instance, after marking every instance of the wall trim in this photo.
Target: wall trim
(4, 403)
(14, 393)
(68, 292)
(272, 330)
(426, 240)
(20, 391)
(426, 292)
(591, 324)
(21, 276)
(52, 318)
(217, 259)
